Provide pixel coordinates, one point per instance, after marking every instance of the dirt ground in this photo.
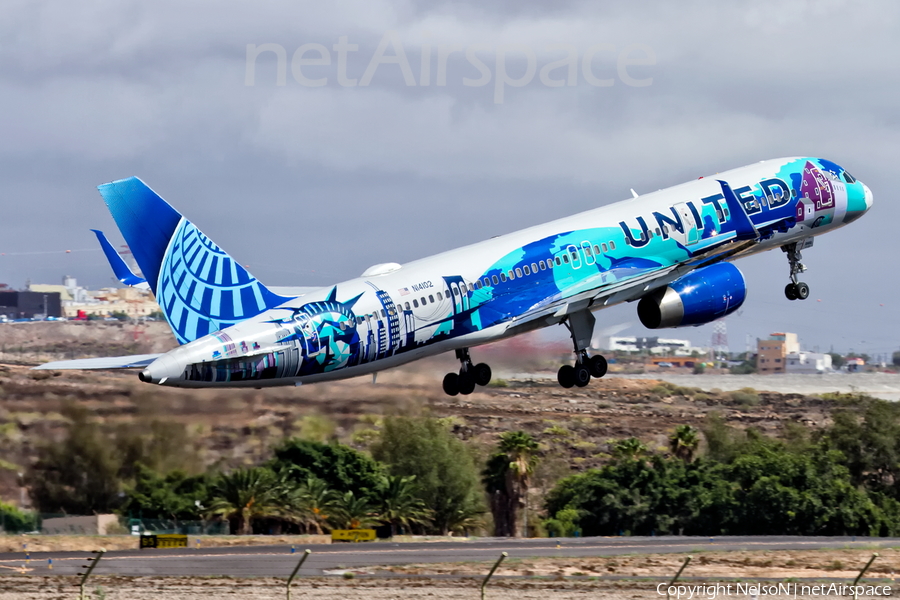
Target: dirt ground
(615, 578)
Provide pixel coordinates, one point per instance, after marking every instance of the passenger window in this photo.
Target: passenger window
(455, 291)
(503, 277)
(518, 272)
(533, 268)
(526, 270)
(657, 232)
(416, 303)
(406, 306)
(478, 285)
(597, 248)
(495, 279)
(511, 274)
(587, 251)
(725, 211)
(383, 314)
(430, 298)
(558, 262)
(612, 245)
(574, 256)
(423, 301)
(439, 296)
(471, 289)
(604, 247)
(543, 266)
(565, 259)
(486, 281)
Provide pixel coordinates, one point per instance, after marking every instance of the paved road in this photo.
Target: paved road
(278, 561)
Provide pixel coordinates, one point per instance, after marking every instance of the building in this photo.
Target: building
(30, 305)
(77, 300)
(808, 362)
(771, 354)
(653, 345)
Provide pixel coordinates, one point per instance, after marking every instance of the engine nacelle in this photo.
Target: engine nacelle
(699, 297)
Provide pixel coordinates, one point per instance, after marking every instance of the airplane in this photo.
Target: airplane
(671, 251)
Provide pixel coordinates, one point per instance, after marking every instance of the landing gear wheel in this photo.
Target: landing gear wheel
(566, 376)
(451, 384)
(482, 373)
(802, 291)
(582, 375)
(597, 366)
(790, 291)
(466, 383)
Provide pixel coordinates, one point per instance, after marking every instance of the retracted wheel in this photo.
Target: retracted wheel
(451, 384)
(466, 383)
(482, 373)
(582, 375)
(566, 376)
(597, 366)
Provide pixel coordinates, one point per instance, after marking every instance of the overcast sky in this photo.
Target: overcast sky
(309, 179)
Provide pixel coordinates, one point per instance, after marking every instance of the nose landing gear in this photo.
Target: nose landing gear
(581, 326)
(795, 290)
(468, 377)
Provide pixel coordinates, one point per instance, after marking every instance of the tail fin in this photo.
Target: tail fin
(123, 271)
(199, 287)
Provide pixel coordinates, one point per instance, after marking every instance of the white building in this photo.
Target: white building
(653, 345)
(807, 362)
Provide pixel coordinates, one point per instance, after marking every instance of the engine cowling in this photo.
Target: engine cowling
(699, 297)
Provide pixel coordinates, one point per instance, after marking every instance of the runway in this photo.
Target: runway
(279, 561)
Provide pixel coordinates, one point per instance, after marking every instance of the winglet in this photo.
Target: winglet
(122, 270)
(743, 226)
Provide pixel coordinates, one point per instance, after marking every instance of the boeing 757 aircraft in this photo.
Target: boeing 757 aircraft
(671, 251)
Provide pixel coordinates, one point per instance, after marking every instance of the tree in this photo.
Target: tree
(353, 512)
(78, 475)
(316, 502)
(174, 495)
(400, 504)
(683, 442)
(444, 469)
(246, 494)
(507, 477)
(629, 448)
(341, 467)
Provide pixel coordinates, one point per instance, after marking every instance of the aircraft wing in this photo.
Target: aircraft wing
(111, 362)
(602, 295)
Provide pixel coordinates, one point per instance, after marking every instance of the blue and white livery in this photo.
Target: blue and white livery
(671, 250)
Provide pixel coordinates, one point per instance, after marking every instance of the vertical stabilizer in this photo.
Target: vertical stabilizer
(199, 287)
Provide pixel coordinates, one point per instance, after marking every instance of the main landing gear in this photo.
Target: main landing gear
(581, 326)
(795, 290)
(469, 375)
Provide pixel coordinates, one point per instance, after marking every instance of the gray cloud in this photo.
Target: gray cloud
(104, 90)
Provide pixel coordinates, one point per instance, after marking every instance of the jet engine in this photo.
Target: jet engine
(699, 297)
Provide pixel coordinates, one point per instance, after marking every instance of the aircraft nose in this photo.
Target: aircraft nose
(869, 197)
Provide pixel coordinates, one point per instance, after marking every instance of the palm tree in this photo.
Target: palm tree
(245, 494)
(684, 441)
(315, 502)
(353, 512)
(400, 503)
(520, 448)
(629, 448)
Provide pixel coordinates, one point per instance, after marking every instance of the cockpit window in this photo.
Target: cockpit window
(849, 178)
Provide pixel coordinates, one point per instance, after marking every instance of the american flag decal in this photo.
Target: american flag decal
(404, 291)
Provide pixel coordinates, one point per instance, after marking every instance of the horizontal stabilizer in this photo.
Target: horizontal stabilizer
(122, 271)
(111, 362)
